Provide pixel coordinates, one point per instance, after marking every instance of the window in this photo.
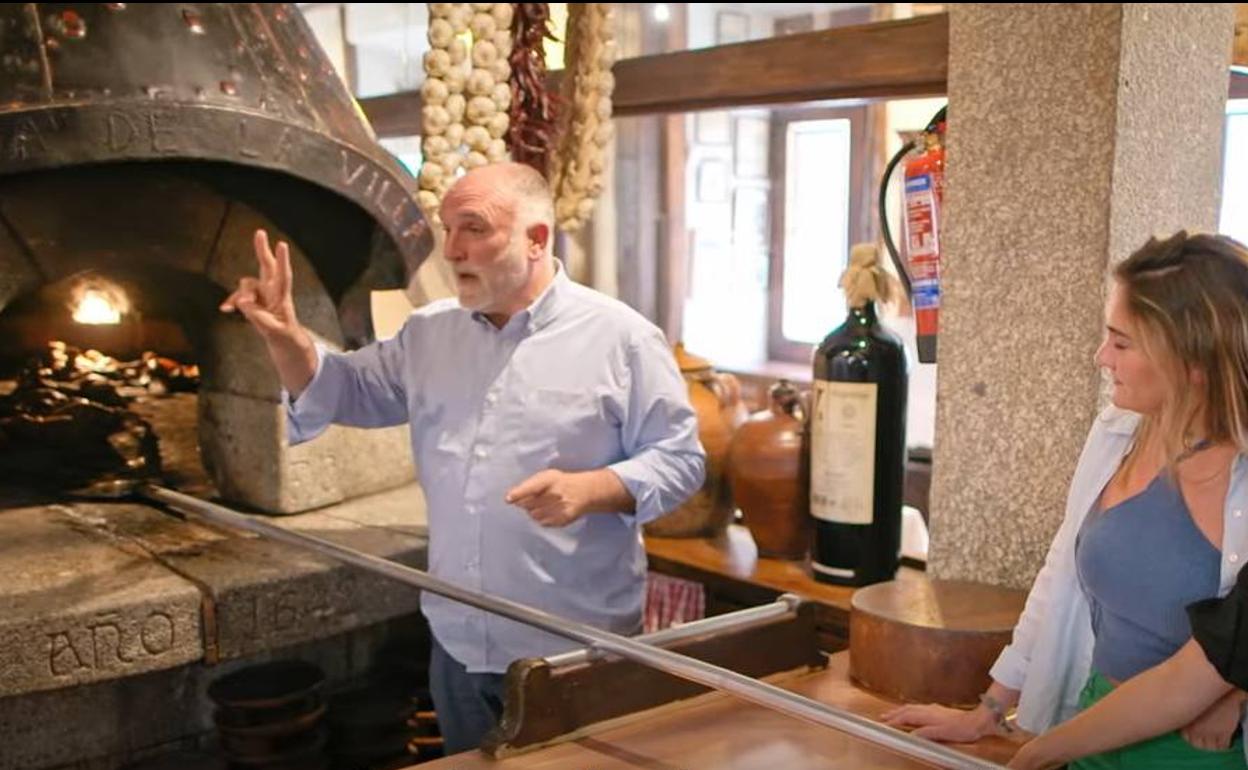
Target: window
(822, 159)
(774, 199)
(727, 203)
(816, 226)
(1234, 219)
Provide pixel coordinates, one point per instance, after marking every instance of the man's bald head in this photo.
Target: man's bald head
(515, 186)
(499, 232)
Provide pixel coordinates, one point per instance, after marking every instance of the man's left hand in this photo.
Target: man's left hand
(554, 498)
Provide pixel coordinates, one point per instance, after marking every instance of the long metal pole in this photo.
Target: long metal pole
(786, 605)
(744, 687)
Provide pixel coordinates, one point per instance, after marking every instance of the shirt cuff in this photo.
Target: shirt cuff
(1010, 668)
(309, 413)
(636, 478)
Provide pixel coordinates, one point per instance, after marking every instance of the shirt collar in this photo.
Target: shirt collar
(542, 310)
(1120, 421)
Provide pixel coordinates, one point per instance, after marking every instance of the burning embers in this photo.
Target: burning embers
(68, 424)
(98, 302)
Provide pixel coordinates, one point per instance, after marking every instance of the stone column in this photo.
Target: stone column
(1075, 132)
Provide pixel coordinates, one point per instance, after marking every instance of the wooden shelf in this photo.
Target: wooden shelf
(735, 577)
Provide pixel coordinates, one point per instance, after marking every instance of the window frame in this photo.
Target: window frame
(780, 348)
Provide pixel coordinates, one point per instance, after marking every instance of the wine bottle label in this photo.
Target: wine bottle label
(842, 460)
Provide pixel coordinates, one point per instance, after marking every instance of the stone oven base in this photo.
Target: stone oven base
(163, 720)
(114, 615)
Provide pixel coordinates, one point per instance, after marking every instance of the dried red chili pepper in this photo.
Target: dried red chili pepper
(533, 111)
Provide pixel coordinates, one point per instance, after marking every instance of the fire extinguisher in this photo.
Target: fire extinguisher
(924, 183)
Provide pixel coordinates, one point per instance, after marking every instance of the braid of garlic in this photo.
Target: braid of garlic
(442, 104)
(577, 173)
(489, 89)
(463, 82)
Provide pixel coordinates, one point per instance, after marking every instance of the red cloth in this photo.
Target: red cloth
(671, 601)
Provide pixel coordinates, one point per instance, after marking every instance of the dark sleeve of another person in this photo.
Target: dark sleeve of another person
(1218, 625)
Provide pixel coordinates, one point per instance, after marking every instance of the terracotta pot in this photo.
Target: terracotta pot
(768, 476)
(716, 399)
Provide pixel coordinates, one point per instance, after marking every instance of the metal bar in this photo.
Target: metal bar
(784, 606)
(694, 670)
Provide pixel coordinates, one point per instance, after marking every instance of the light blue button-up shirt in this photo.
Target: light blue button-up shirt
(578, 381)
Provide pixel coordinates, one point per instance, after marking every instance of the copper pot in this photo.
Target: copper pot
(716, 399)
(767, 472)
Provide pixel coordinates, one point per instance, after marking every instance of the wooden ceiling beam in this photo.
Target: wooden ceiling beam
(881, 60)
(886, 59)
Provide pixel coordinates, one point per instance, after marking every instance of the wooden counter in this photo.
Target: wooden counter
(719, 731)
(736, 577)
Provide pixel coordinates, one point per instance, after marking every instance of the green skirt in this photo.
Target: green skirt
(1165, 752)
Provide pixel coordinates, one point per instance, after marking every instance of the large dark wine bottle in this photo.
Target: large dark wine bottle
(858, 448)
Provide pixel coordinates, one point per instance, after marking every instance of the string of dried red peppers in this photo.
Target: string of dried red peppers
(533, 111)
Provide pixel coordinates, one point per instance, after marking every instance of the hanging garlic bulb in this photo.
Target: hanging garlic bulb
(465, 94)
(580, 161)
(487, 92)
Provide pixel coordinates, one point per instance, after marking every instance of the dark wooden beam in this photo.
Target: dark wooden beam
(879, 60)
(886, 59)
(882, 59)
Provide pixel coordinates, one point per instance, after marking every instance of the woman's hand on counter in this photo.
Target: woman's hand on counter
(941, 723)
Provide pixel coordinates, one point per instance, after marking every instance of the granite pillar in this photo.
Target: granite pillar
(1076, 131)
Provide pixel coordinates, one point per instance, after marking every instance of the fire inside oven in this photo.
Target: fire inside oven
(153, 249)
(108, 401)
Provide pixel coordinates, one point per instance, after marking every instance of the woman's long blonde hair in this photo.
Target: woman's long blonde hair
(1188, 295)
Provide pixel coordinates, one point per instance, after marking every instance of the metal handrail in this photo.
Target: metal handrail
(743, 687)
(784, 606)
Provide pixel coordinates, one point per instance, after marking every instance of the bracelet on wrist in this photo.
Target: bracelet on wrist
(999, 712)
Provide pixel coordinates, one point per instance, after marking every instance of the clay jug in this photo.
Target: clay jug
(767, 472)
(716, 399)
